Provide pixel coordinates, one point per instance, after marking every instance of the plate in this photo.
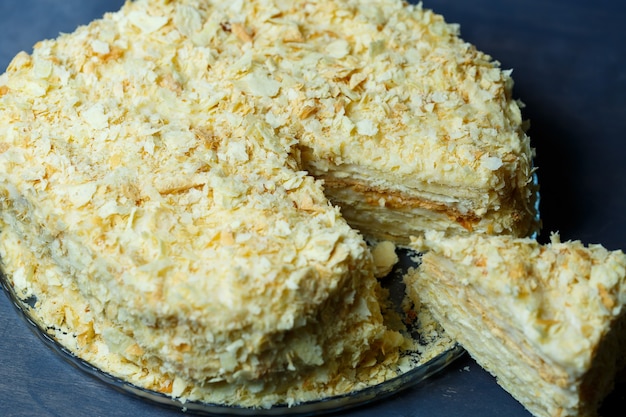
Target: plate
(442, 355)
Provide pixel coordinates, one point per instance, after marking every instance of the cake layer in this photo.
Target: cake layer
(399, 216)
(547, 320)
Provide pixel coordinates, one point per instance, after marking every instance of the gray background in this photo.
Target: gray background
(569, 61)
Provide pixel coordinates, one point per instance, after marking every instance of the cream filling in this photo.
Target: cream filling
(378, 221)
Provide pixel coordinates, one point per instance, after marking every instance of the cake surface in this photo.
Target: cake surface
(547, 320)
(165, 174)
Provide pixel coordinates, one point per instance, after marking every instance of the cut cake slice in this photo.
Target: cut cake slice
(547, 320)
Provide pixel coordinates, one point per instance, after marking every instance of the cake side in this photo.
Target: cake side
(547, 321)
(67, 316)
(136, 173)
(385, 216)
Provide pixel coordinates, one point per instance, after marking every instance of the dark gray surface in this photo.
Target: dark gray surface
(569, 61)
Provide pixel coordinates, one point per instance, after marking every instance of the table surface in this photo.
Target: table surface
(569, 62)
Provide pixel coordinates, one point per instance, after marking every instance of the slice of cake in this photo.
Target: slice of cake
(547, 320)
(161, 176)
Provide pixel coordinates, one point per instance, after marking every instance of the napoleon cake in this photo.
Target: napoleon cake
(547, 320)
(172, 175)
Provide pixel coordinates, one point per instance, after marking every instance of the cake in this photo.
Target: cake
(186, 186)
(547, 320)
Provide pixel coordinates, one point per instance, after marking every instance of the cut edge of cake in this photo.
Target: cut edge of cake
(548, 321)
